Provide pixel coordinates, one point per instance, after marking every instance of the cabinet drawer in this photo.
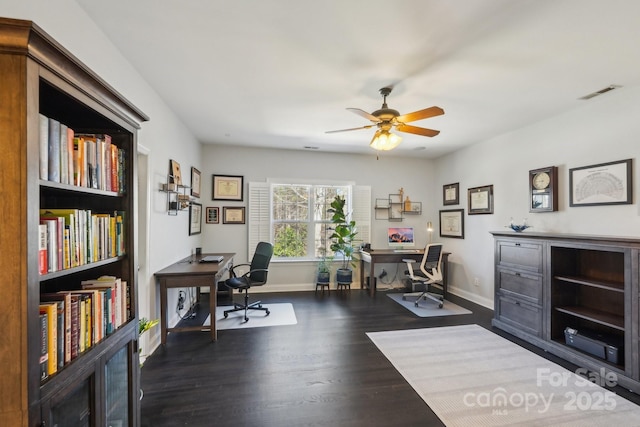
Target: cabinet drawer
(521, 254)
(520, 314)
(525, 284)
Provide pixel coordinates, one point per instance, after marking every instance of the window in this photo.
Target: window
(300, 221)
(294, 216)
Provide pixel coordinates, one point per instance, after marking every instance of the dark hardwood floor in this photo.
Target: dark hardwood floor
(324, 371)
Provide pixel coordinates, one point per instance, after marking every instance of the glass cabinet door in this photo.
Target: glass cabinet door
(117, 389)
(75, 409)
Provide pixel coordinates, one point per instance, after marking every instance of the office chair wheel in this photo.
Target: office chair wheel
(268, 312)
(440, 305)
(226, 315)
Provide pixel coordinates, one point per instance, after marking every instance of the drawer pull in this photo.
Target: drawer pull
(517, 244)
(517, 302)
(518, 274)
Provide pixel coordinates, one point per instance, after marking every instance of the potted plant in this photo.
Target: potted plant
(324, 269)
(342, 238)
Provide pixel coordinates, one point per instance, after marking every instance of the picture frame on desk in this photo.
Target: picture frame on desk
(228, 187)
(195, 218)
(452, 223)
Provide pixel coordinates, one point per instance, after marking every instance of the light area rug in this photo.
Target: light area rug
(470, 376)
(428, 308)
(280, 314)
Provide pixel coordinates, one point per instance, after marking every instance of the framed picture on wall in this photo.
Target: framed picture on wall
(195, 182)
(480, 200)
(601, 184)
(232, 215)
(213, 215)
(228, 187)
(451, 194)
(195, 218)
(452, 223)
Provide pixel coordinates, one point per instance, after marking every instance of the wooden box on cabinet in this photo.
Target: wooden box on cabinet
(41, 78)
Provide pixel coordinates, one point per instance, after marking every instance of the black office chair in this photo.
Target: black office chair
(429, 275)
(256, 276)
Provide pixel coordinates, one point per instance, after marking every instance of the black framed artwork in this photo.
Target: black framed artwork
(451, 194)
(233, 215)
(452, 223)
(480, 200)
(195, 218)
(601, 184)
(228, 187)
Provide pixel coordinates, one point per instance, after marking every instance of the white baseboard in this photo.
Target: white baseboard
(485, 302)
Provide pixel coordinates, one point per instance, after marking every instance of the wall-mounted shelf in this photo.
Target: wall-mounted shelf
(394, 208)
(177, 197)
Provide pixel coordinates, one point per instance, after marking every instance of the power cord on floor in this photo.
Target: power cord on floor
(193, 307)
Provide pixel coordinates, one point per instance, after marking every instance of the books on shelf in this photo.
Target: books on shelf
(51, 312)
(82, 160)
(73, 321)
(76, 237)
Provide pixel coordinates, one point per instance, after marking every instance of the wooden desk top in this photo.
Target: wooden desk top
(191, 266)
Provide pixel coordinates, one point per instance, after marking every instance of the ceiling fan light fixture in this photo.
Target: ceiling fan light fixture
(384, 140)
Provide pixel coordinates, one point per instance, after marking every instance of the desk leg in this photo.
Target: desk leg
(163, 312)
(372, 279)
(213, 303)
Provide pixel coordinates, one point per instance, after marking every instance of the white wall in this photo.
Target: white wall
(163, 135)
(604, 129)
(385, 176)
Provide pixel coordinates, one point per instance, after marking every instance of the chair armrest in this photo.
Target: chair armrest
(409, 261)
(255, 271)
(232, 269)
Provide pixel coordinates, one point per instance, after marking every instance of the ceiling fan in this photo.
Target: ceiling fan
(387, 118)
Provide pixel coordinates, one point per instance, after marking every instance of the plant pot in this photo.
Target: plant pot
(323, 277)
(344, 275)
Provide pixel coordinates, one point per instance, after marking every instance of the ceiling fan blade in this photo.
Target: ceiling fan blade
(419, 115)
(350, 129)
(416, 130)
(364, 114)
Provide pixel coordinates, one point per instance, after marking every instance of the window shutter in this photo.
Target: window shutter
(361, 200)
(259, 215)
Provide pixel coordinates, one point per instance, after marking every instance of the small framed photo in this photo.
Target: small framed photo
(451, 194)
(195, 218)
(452, 223)
(480, 200)
(602, 184)
(213, 215)
(228, 187)
(175, 172)
(195, 182)
(232, 215)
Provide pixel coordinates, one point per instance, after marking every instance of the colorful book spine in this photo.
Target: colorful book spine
(44, 350)
(44, 147)
(54, 151)
(42, 249)
(51, 310)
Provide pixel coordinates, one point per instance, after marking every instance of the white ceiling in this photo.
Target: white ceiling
(279, 73)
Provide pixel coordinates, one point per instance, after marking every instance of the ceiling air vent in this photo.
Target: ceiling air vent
(600, 92)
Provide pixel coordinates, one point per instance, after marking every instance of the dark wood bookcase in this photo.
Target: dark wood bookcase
(99, 387)
(547, 284)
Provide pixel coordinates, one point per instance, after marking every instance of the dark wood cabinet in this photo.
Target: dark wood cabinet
(550, 286)
(100, 386)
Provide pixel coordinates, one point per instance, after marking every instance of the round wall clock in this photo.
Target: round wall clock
(543, 189)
